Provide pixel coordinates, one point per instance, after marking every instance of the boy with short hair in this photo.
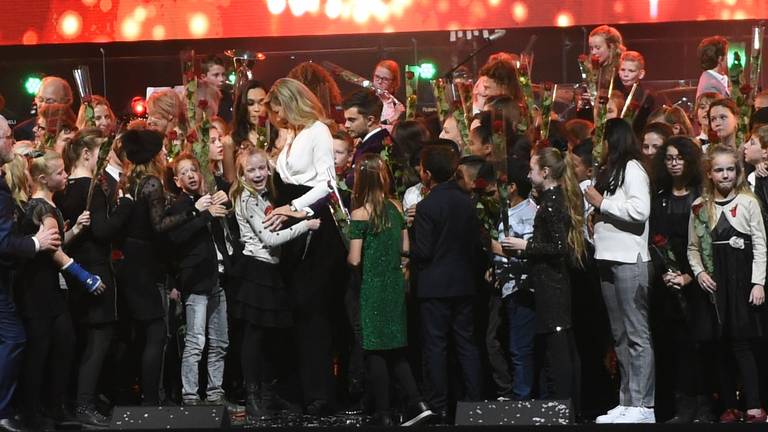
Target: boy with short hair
(631, 71)
(214, 71)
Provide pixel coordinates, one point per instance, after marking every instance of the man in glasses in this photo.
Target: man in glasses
(53, 90)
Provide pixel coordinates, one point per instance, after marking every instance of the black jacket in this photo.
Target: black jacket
(194, 250)
(446, 248)
(12, 245)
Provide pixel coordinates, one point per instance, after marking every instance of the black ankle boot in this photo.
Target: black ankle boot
(685, 409)
(254, 407)
(704, 410)
(87, 414)
(272, 401)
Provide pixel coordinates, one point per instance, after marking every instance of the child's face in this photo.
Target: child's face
(451, 131)
(580, 169)
(215, 146)
(216, 75)
(702, 115)
(674, 162)
(722, 121)
(630, 72)
(187, 176)
(753, 153)
(340, 153)
(723, 173)
(256, 172)
(477, 147)
(651, 143)
(598, 46)
(255, 100)
(611, 111)
(536, 175)
(57, 179)
(423, 176)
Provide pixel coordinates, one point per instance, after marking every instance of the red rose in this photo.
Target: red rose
(202, 104)
(498, 126)
(192, 136)
(262, 121)
(733, 210)
(548, 86)
(583, 58)
(503, 179)
(595, 61)
(481, 184)
(334, 199)
(602, 100)
(87, 99)
(268, 210)
(697, 208)
(745, 89)
(634, 106)
(659, 241)
(409, 75)
(173, 135)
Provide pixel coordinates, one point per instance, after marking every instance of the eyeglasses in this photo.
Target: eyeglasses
(674, 158)
(377, 77)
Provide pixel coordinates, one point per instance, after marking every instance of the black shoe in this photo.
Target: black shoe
(89, 416)
(254, 408)
(382, 419)
(193, 402)
(318, 408)
(685, 409)
(11, 425)
(417, 414)
(36, 422)
(704, 410)
(61, 416)
(271, 400)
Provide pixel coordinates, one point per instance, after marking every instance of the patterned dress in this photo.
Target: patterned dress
(382, 292)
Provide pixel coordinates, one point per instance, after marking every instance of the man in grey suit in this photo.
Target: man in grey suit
(713, 57)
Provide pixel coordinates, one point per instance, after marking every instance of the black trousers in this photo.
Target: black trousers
(312, 330)
(47, 359)
(738, 356)
(381, 366)
(559, 356)
(441, 318)
(95, 341)
(155, 335)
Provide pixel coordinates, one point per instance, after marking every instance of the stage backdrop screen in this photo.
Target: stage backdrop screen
(75, 21)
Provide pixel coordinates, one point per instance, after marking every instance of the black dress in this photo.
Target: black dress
(92, 248)
(36, 288)
(144, 265)
(733, 276)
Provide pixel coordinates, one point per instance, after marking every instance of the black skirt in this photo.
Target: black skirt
(260, 296)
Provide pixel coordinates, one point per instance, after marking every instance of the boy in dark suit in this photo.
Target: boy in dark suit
(448, 254)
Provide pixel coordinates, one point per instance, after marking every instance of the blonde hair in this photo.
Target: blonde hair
(615, 43)
(708, 189)
(96, 100)
(561, 168)
(634, 56)
(91, 138)
(372, 189)
(301, 107)
(168, 105)
(16, 177)
(239, 185)
(42, 165)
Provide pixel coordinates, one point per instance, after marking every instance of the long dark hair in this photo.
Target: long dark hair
(241, 124)
(621, 147)
(691, 153)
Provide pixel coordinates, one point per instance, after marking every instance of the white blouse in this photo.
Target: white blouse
(260, 242)
(621, 232)
(308, 161)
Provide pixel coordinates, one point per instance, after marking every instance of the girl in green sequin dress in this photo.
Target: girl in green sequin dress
(378, 239)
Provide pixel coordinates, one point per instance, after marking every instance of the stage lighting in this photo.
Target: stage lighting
(231, 78)
(32, 84)
(427, 71)
(139, 106)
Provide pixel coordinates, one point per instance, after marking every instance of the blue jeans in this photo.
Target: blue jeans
(204, 312)
(522, 330)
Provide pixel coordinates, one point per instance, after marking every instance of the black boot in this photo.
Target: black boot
(254, 408)
(272, 401)
(704, 410)
(87, 414)
(685, 409)
(62, 417)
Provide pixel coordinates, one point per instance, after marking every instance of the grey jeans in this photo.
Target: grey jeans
(625, 291)
(204, 312)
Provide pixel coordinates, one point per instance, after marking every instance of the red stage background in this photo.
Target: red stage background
(76, 21)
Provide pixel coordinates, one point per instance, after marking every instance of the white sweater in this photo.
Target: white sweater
(308, 161)
(621, 231)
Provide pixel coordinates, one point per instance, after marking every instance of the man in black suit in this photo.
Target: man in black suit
(13, 246)
(201, 256)
(448, 256)
(362, 113)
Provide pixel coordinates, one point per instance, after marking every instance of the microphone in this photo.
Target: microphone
(496, 35)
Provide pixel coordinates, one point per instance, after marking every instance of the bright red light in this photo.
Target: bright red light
(138, 106)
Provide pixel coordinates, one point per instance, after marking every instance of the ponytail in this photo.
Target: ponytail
(90, 139)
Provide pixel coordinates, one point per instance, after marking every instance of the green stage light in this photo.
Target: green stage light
(231, 78)
(427, 71)
(32, 84)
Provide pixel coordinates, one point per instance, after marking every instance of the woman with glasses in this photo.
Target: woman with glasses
(677, 297)
(386, 77)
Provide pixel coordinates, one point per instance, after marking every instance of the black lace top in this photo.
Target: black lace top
(149, 213)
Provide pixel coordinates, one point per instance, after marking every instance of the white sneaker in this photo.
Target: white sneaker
(636, 415)
(611, 415)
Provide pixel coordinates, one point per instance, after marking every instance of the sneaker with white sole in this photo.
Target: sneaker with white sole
(611, 415)
(636, 415)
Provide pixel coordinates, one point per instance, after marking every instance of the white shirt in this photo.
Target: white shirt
(724, 80)
(308, 161)
(412, 196)
(621, 233)
(260, 242)
(113, 171)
